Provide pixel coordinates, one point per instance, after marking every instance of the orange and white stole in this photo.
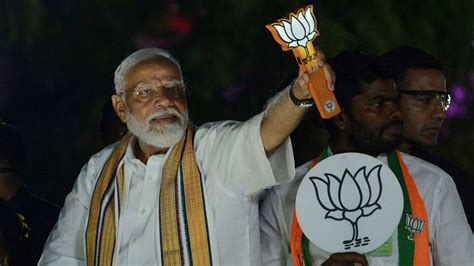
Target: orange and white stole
(413, 242)
(184, 232)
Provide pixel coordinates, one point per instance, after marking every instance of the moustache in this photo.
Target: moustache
(164, 112)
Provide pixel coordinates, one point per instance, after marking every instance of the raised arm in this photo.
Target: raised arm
(282, 116)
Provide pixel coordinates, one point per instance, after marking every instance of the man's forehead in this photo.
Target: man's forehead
(158, 70)
(418, 70)
(379, 87)
(164, 83)
(163, 63)
(425, 79)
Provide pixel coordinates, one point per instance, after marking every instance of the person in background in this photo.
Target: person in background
(424, 101)
(26, 220)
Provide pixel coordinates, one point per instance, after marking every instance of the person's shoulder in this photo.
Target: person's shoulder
(228, 124)
(414, 161)
(95, 163)
(104, 153)
(448, 166)
(100, 157)
(425, 169)
(216, 125)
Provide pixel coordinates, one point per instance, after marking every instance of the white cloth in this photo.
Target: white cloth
(450, 237)
(235, 168)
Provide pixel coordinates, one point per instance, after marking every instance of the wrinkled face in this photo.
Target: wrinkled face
(155, 104)
(375, 124)
(422, 115)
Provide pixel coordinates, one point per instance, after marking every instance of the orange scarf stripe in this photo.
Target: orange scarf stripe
(108, 243)
(193, 199)
(422, 256)
(105, 178)
(194, 206)
(297, 234)
(120, 185)
(295, 242)
(169, 230)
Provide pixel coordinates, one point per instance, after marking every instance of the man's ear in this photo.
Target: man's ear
(341, 121)
(119, 107)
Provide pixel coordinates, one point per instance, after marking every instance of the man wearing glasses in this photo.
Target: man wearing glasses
(171, 193)
(424, 100)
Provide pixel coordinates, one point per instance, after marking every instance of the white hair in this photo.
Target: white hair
(136, 58)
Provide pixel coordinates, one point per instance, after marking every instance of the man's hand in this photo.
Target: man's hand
(349, 258)
(300, 87)
(282, 115)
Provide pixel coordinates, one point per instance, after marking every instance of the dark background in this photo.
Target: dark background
(57, 59)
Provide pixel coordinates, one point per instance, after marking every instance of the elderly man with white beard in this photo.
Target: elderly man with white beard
(170, 193)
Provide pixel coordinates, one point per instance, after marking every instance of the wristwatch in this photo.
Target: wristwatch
(304, 103)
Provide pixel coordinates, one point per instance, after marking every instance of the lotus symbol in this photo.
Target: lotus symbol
(299, 29)
(413, 225)
(349, 198)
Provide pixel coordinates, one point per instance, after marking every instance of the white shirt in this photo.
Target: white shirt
(235, 168)
(450, 237)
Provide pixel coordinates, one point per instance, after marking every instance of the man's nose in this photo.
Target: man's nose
(393, 111)
(162, 99)
(438, 109)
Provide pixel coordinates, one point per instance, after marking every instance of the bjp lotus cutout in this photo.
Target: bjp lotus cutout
(348, 202)
(297, 33)
(350, 198)
(413, 225)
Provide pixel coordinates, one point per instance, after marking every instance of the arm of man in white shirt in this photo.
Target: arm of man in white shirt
(282, 116)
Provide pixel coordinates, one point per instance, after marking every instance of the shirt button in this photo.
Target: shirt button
(133, 240)
(142, 212)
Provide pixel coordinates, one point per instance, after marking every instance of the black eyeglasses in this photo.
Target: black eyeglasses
(425, 98)
(145, 92)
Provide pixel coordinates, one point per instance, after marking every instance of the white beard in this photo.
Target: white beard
(163, 136)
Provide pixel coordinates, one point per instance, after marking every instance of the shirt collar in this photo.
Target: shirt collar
(382, 157)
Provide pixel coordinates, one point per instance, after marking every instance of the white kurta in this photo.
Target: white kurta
(450, 237)
(235, 168)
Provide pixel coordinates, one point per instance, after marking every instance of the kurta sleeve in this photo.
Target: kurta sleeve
(233, 153)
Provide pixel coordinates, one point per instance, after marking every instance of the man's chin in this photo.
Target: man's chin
(427, 142)
(422, 140)
(161, 141)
